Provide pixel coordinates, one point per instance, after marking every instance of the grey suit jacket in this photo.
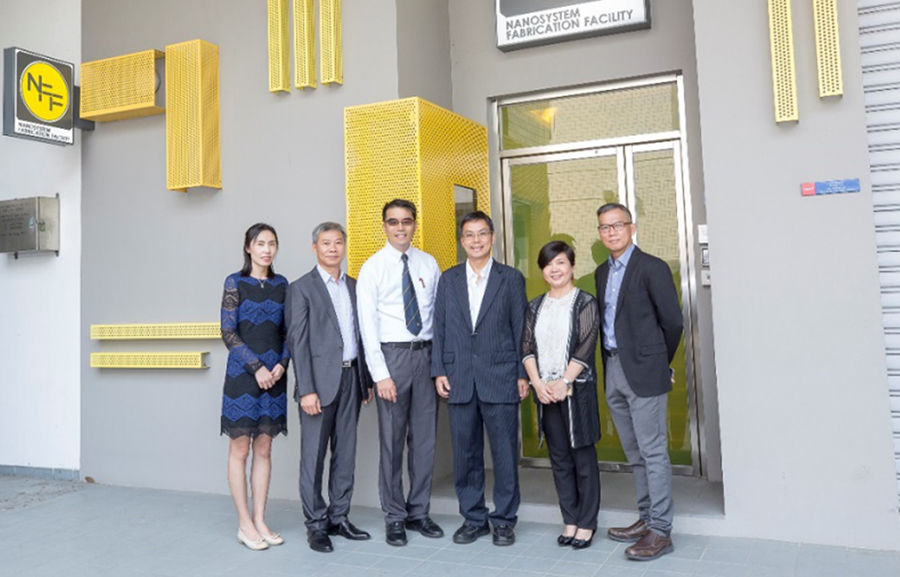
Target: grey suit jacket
(314, 337)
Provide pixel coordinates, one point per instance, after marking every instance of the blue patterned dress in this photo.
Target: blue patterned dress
(254, 332)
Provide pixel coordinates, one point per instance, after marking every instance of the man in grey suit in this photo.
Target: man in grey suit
(640, 331)
(478, 318)
(332, 380)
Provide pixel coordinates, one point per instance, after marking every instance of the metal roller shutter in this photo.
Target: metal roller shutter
(879, 27)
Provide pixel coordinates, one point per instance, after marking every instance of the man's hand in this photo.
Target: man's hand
(442, 384)
(523, 388)
(278, 372)
(310, 404)
(264, 379)
(368, 399)
(387, 390)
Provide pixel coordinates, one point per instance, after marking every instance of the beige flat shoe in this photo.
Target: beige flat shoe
(273, 539)
(259, 545)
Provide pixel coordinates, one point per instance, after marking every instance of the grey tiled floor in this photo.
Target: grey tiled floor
(50, 528)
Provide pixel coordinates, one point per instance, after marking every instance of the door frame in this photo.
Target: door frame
(623, 148)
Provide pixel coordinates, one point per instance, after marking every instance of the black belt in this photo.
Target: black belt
(610, 354)
(349, 364)
(413, 345)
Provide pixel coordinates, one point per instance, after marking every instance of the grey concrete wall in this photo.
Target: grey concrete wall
(40, 342)
(152, 255)
(482, 72)
(805, 422)
(423, 50)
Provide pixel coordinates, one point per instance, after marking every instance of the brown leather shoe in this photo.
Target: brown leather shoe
(651, 546)
(631, 534)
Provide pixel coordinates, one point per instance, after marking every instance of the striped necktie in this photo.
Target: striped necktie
(410, 303)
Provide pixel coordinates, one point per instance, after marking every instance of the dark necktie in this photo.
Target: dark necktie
(410, 303)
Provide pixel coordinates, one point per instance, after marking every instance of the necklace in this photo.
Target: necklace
(262, 282)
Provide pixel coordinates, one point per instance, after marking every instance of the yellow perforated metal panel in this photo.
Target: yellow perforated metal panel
(193, 155)
(156, 331)
(304, 44)
(148, 360)
(279, 55)
(784, 75)
(414, 150)
(332, 59)
(121, 87)
(828, 48)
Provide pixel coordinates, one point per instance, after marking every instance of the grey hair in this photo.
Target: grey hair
(615, 206)
(325, 227)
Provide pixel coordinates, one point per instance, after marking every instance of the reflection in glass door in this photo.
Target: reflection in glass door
(555, 197)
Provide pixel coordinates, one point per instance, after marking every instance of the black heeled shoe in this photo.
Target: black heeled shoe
(582, 543)
(564, 541)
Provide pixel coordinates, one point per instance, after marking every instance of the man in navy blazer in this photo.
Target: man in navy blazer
(478, 317)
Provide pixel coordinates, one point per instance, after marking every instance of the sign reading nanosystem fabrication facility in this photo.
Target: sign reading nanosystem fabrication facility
(38, 94)
(523, 23)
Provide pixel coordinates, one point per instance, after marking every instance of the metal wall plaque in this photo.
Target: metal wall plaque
(524, 23)
(38, 97)
(29, 225)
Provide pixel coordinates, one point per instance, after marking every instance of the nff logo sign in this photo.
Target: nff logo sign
(37, 99)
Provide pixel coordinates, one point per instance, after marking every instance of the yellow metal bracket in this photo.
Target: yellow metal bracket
(121, 87)
(784, 74)
(332, 60)
(304, 44)
(148, 360)
(156, 331)
(279, 55)
(828, 48)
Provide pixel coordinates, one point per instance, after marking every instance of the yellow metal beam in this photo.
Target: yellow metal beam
(332, 60)
(121, 87)
(784, 74)
(156, 331)
(279, 54)
(304, 44)
(828, 48)
(148, 360)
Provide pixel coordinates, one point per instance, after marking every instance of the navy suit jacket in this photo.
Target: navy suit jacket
(648, 322)
(484, 358)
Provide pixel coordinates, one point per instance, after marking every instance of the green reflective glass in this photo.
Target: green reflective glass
(617, 113)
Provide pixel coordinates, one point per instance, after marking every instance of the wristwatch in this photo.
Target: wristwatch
(568, 384)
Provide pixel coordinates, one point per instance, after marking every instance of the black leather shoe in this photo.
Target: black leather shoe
(319, 541)
(582, 543)
(469, 533)
(426, 527)
(504, 535)
(565, 541)
(348, 530)
(395, 534)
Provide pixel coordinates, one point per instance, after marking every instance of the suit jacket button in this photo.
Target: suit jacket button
(341, 348)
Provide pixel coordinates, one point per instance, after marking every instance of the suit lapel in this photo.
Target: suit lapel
(495, 280)
(629, 274)
(351, 288)
(603, 277)
(461, 290)
(323, 293)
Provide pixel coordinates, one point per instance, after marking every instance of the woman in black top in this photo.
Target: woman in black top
(254, 401)
(559, 350)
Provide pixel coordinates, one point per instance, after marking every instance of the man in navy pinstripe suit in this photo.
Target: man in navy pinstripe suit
(478, 316)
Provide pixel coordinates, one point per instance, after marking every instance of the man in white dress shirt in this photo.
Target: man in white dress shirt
(395, 294)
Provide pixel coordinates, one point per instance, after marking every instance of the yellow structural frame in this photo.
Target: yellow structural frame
(193, 149)
(171, 360)
(121, 87)
(331, 57)
(304, 44)
(828, 48)
(414, 150)
(156, 331)
(784, 74)
(279, 41)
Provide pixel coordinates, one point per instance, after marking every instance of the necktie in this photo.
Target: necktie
(410, 303)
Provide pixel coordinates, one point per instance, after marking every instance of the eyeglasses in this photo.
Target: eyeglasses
(616, 226)
(481, 235)
(393, 222)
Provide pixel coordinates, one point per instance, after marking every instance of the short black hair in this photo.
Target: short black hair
(472, 217)
(614, 206)
(398, 203)
(552, 249)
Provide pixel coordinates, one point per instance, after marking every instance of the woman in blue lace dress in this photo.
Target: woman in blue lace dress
(254, 402)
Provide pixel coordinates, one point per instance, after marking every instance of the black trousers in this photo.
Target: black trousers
(467, 425)
(575, 471)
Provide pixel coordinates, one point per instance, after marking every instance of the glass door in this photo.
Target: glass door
(555, 197)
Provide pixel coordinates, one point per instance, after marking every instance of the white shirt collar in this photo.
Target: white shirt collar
(326, 276)
(471, 275)
(396, 254)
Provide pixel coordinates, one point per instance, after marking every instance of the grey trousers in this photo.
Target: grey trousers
(334, 428)
(411, 422)
(641, 424)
